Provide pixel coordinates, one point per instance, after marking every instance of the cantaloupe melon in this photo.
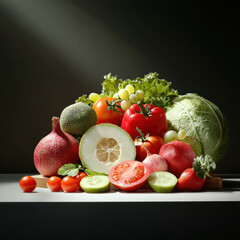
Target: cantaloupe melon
(77, 118)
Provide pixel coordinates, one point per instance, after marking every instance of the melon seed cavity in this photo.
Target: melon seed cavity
(107, 150)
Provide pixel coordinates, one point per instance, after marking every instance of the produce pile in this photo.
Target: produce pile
(134, 132)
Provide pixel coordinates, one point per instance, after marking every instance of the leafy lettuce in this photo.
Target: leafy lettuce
(202, 120)
(84, 99)
(157, 91)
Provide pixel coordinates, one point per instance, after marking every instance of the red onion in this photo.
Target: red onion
(55, 150)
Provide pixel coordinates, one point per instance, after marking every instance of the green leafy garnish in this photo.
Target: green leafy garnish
(85, 99)
(90, 172)
(70, 169)
(110, 85)
(203, 165)
(157, 91)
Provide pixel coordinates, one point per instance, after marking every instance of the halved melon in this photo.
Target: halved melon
(105, 145)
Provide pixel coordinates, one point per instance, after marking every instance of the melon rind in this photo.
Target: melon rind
(88, 143)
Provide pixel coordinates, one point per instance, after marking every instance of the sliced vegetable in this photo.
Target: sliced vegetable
(79, 177)
(95, 184)
(105, 145)
(129, 175)
(162, 182)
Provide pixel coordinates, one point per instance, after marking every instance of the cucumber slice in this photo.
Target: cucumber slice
(162, 182)
(95, 184)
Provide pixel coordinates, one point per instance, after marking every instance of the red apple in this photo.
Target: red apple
(179, 156)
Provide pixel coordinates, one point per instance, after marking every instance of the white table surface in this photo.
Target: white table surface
(11, 192)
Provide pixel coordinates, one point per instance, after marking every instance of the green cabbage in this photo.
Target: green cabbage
(203, 121)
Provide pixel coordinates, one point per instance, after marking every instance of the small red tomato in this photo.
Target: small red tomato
(69, 184)
(54, 183)
(151, 143)
(27, 184)
(79, 177)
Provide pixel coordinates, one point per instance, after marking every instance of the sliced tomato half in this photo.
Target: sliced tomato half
(129, 175)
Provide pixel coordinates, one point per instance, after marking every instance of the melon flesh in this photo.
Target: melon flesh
(105, 145)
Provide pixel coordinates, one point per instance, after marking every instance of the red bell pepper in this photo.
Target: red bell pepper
(148, 118)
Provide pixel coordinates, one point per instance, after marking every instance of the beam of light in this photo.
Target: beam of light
(83, 42)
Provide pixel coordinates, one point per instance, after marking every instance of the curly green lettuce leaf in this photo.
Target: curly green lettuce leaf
(84, 99)
(157, 91)
(110, 85)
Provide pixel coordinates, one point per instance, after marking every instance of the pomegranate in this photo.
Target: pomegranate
(55, 150)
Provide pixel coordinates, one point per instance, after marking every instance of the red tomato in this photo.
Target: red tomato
(69, 184)
(27, 184)
(152, 144)
(129, 175)
(54, 183)
(79, 177)
(105, 112)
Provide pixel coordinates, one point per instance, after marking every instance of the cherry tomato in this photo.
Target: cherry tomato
(129, 175)
(54, 183)
(27, 184)
(153, 144)
(79, 177)
(69, 184)
(106, 113)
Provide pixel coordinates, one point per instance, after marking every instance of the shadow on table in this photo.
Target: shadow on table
(231, 185)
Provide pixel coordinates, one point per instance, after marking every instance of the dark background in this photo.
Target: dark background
(51, 52)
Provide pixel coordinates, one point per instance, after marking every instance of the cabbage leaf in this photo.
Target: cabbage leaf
(201, 119)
